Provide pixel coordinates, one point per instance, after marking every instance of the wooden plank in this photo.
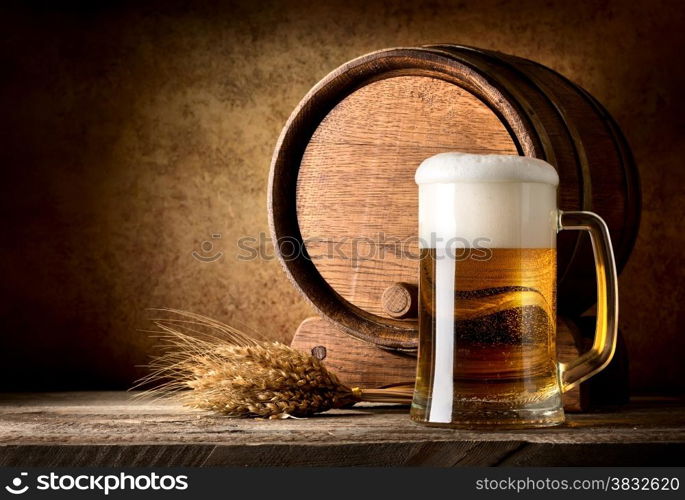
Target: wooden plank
(114, 429)
(428, 454)
(80, 455)
(355, 362)
(432, 454)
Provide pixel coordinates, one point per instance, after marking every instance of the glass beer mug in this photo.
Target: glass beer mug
(487, 308)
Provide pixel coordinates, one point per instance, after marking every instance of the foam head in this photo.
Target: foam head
(494, 201)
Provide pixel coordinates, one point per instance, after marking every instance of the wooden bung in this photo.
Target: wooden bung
(400, 300)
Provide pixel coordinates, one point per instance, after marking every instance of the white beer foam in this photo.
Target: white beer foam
(465, 167)
(486, 201)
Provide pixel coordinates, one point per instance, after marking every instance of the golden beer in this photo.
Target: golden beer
(487, 308)
(504, 320)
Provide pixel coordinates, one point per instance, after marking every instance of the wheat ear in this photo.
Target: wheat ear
(233, 374)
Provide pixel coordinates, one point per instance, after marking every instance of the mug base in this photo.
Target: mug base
(498, 419)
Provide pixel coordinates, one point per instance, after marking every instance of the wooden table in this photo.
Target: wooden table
(114, 429)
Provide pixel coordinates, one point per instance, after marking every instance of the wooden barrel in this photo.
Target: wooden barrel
(342, 199)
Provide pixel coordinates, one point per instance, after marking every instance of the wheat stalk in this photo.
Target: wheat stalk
(233, 374)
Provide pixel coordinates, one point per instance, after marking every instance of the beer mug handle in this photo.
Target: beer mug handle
(604, 345)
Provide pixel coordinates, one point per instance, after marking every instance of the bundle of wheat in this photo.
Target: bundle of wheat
(233, 374)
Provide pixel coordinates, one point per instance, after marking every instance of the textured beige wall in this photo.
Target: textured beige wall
(130, 135)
